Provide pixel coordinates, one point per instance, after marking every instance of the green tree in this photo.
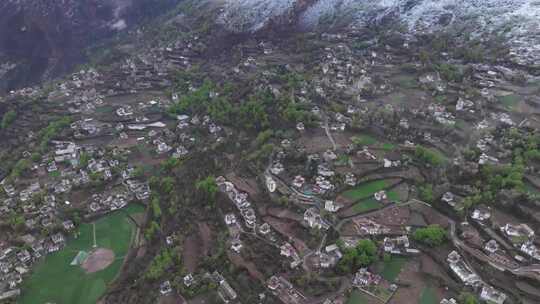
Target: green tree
(83, 159)
(169, 164)
(429, 156)
(433, 235)
(263, 137)
(159, 264)
(20, 167)
(52, 130)
(8, 119)
(425, 192)
(362, 255)
(208, 186)
(467, 298)
(152, 230)
(156, 209)
(138, 172)
(252, 115)
(167, 184)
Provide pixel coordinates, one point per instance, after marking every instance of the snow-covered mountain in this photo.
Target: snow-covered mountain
(518, 21)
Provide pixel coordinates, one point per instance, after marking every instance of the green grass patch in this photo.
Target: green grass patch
(54, 280)
(357, 297)
(388, 146)
(509, 101)
(531, 189)
(460, 124)
(104, 110)
(366, 205)
(430, 156)
(363, 140)
(406, 82)
(440, 98)
(54, 174)
(393, 196)
(342, 160)
(365, 190)
(428, 296)
(392, 268)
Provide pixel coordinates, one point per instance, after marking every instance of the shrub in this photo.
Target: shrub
(433, 235)
(8, 119)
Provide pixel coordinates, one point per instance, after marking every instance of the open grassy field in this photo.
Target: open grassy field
(357, 298)
(366, 205)
(365, 190)
(428, 296)
(530, 188)
(363, 140)
(54, 280)
(392, 268)
(509, 101)
(388, 146)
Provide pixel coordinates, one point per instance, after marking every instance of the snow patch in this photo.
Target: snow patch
(119, 25)
(252, 15)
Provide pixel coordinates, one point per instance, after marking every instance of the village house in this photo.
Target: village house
(530, 249)
(264, 229)
(518, 234)
(330, 256)
(398, 245)
(365, 226)
(448, 197)
(314, 219)
(481, 215)
(462, 270)
(363, 278)
(298, 181)
(236, 244)
(322, 185)
(350, 179)
(491, 295)
(188, 280)
(287, 250)
(285, 291)
(331, 206)
(230, 219)
(271, 184)
(491, 246)
(380, 196)
(225, 291)
(165, 288)
(277, 168)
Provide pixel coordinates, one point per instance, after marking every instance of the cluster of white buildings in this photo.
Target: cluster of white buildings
(240, 199)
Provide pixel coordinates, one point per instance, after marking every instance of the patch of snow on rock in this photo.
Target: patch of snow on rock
(252, 15)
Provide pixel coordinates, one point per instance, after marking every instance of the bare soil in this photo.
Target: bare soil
(191, 252)
(248, 185)
(287, 229)
(284, 214)
(205, 233)
(98, 259)
(240, 262)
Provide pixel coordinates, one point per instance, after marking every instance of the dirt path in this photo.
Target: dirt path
(206, 236)
(191, 253)
(328, 134)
